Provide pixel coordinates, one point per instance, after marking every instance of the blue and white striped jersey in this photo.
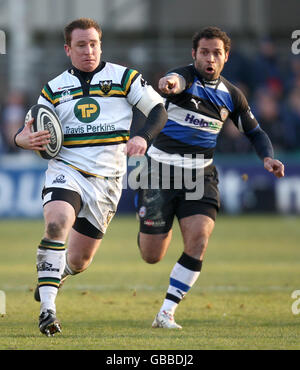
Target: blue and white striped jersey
(197, 115)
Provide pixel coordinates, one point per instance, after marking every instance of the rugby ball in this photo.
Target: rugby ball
(46, 119)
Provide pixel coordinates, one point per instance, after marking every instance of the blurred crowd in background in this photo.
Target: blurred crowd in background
(271, 87)
(273, 92)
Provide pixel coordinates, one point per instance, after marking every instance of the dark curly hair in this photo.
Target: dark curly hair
(212, 33)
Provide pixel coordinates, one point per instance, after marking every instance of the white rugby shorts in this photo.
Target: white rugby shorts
(100, 196)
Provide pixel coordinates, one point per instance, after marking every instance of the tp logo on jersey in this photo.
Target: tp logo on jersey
(87, 110)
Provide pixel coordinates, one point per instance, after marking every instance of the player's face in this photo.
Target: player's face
(85, 49)
(209, 58)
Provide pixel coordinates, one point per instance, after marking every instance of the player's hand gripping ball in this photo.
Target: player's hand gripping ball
(46, 119)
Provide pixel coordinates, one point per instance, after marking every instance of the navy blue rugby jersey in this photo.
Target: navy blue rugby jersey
(196, 115)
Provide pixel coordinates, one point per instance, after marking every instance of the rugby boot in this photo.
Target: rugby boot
(165, 319)
(48, 323)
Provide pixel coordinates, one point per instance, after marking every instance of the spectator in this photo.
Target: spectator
(291, 119)
(237, 70)
(266, 68)
(293, 79)
(267, 112)
(12, 119)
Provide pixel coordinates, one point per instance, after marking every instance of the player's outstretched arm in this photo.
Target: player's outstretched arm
(264, 149)
(27, 139)
(274, 166)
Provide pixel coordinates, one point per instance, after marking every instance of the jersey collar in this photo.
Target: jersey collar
(207, 83)
(86, 75)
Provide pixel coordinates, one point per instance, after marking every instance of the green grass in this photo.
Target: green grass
(242, 299)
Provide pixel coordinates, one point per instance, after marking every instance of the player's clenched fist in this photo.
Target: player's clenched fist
(136, 146)
(274, 166)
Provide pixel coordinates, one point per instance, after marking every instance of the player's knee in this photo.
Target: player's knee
(151, 259)
(78, 267)
(152, 247)
(149, 256)
(55, 228)
(79, 263)
(196, 246)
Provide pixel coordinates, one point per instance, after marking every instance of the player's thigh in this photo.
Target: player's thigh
(197, 217)
(81, 249)
(155, 209)
(100, 202)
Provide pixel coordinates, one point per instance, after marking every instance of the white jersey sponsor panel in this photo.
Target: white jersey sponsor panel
(96, 116)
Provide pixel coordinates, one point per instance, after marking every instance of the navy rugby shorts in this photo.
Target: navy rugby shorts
(156, 208)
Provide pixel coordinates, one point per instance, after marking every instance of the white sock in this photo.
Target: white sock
(183, 276)
(50, 265)
(48, 296)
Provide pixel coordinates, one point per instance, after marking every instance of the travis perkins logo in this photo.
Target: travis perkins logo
(87, 110)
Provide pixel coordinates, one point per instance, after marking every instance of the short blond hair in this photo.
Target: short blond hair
(83, 24)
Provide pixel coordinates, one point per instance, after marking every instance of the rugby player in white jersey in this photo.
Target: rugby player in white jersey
(83, 184)
(199, 101)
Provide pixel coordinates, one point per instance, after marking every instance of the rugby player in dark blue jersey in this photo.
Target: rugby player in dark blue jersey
(199, 101)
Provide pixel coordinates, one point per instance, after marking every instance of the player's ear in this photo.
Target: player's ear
(194, 54)
(67, 49)
(226, 56)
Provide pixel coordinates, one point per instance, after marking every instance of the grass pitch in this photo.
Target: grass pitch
(242, 299)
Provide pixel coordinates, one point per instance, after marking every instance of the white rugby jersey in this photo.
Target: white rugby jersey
(96, 115)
